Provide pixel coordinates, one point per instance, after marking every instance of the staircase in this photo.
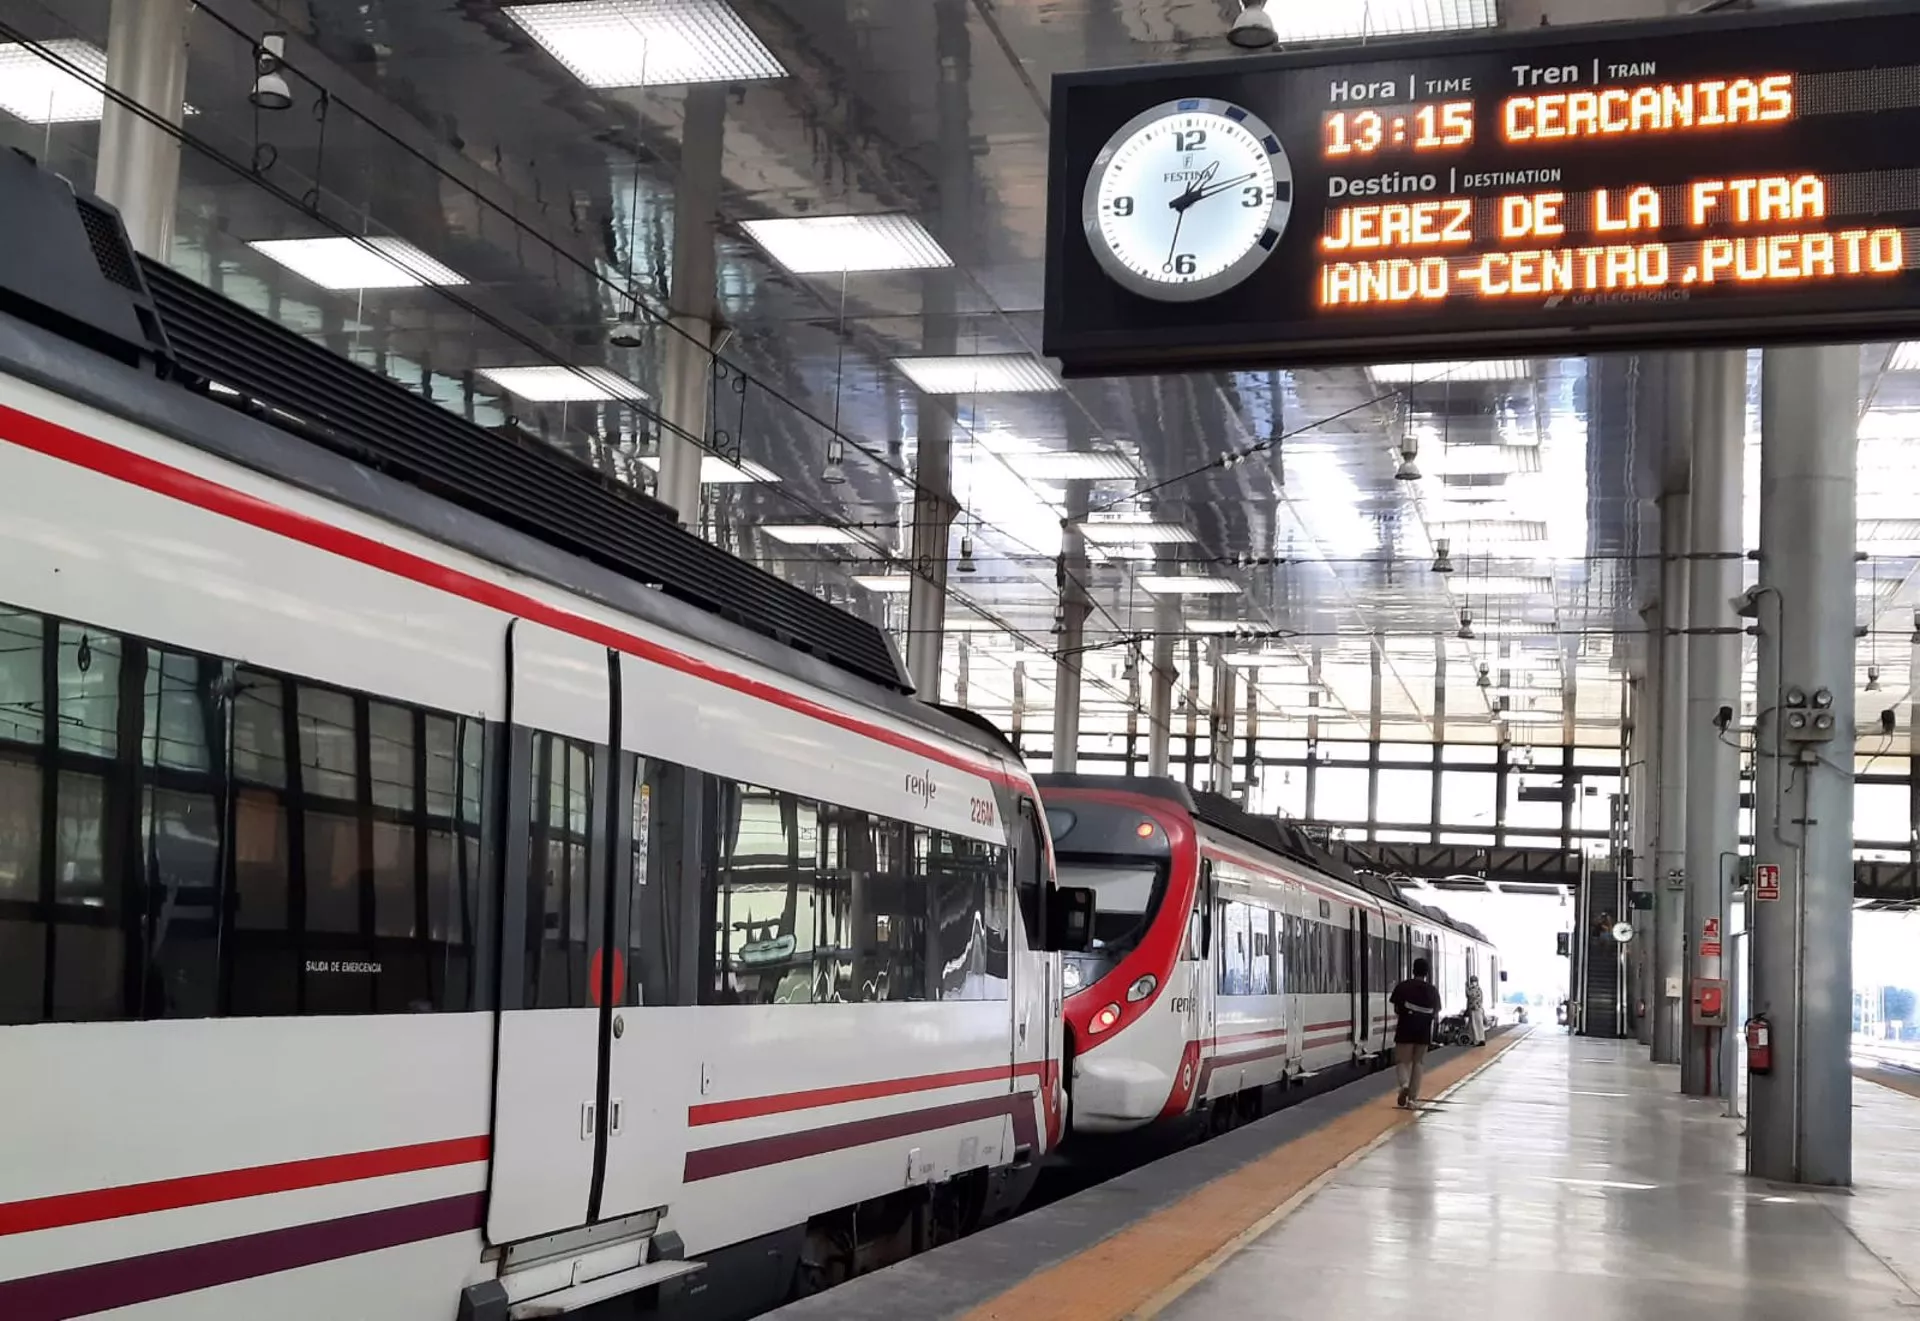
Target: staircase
(1600, 984)
(1603, 991)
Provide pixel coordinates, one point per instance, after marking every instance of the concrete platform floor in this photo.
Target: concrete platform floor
(1570, 1182)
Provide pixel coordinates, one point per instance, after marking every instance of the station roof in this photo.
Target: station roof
(522, 180)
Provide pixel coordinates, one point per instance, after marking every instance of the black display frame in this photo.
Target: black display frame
(1105, 330)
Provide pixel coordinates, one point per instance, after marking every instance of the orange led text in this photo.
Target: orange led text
(1757, 201)
(1401, 225)
(1662, 108)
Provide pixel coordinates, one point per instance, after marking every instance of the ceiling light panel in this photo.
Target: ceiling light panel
(1464, 585)
(1225, 626)
(40, 91)
(1072, 465)
(885, 582)
(648, 43)
(809, 534)
(986, 373)
(1436, 373)
(834, 245)
(716, 471)
(1906, 357)
(554, 384)
(1181, 585)
(351, 263)
(1136, 533)
(1344, 20)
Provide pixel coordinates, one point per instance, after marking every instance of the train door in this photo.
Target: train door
(1202, 979)
(560, 1041)
(1361, 966)
(1037, 1029)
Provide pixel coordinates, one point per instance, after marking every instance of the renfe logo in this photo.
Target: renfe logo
(921, 786)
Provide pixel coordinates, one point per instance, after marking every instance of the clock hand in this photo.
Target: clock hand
(1192, 193)
(1221, 187)
(1179, 219)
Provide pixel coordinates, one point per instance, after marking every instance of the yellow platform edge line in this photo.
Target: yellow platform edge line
(1141, 1269)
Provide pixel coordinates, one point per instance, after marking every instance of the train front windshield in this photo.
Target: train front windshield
(1121, 855)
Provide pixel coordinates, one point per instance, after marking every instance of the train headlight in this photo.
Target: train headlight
(1142, 988)
(1103, 1020)
(1070, 976)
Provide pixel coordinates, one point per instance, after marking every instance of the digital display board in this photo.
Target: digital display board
(1726, 180)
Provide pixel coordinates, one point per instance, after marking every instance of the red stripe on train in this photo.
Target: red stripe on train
(132, 1199)
(95, 455)
(753, 1107)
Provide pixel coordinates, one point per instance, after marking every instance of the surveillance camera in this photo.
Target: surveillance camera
(1722, 718)
(1253, 29)
(1887, 719)
(1747, 604)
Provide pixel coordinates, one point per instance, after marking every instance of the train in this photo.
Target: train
(414, 904)
(1232, 955)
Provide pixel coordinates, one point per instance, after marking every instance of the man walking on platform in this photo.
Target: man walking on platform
(1416, 1002)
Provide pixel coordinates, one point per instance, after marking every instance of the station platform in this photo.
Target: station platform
(1553, 1176)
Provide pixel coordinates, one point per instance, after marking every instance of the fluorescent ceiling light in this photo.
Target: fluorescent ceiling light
(809, 534)
(1423, 373)
(986, 373)
(1136, 533)
(350, 263)
(39, 91)
(716, 471)
(1530, 717)
(1263, 660)
(1225, 626)
(1906, 357)
(1162, 584)
(1468, 533)
(885, 582)
(555, 384)
(1487, 460)
(1466, 585)
(648, 43)
(1072, 465)
(830, 245)
(1339, 20)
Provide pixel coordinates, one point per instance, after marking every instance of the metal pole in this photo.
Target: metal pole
(139, 166)
(1643, 757)
(686, 373)
(1801, 1125)
(1713, 687)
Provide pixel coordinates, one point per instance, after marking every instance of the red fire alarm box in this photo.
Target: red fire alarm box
(1709, 1002)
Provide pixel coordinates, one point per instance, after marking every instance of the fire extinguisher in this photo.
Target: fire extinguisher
(1759, 1045)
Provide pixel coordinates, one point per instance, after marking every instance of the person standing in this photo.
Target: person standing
(1416, 1006)
(1476, 1011)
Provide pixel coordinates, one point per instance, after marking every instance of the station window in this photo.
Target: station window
(163, 856)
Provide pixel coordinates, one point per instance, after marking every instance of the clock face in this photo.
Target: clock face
(1187, 200)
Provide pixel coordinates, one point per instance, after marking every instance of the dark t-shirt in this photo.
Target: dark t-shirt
(1418, 1005)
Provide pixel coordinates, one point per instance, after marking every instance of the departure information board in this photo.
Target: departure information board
(1728, 180)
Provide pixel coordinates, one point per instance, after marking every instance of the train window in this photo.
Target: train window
(1261, 977)
(969, 931)
(562, 879)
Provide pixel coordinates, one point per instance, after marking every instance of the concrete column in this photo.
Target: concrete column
(1800, 1128)
(1224, 710)
(1713, 684)
(1670, 850)
(1160, 700)
(933, 511)
(686, 375)
(1070, 644)
(139, 166)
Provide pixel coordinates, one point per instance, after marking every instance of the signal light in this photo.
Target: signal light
(1103, 1020)
(1144, 830)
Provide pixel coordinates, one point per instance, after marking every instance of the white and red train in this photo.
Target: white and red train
(403, 920)
(1230, 955)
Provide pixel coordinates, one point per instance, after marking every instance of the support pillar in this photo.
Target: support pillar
(139, 166)
(1713, 684)
(1160, 701)
(1670, 850)
(1070, 643)
(686, 376)
(933, 511)
(1221, 737)
(1800, 1127)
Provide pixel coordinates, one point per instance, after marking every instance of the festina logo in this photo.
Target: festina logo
(1182, 176)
